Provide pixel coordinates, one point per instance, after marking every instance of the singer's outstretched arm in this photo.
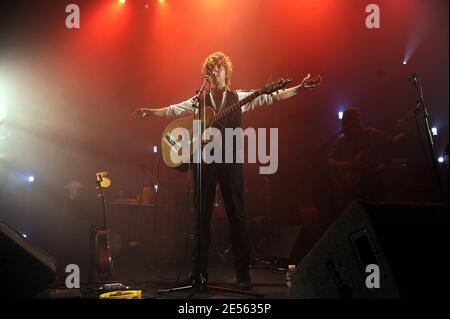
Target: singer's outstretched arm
(144, 112)
(307, 84)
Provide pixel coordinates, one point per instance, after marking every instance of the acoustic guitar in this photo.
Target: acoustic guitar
(173, 144)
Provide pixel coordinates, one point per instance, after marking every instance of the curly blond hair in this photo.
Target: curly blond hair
(219, 59)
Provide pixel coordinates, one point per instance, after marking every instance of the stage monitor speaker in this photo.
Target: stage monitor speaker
(289, 244)
(25, 269)
(408, 243)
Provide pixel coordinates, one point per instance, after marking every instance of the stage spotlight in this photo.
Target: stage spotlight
(156, 187)
(405, 62)
(341, 115)
(122, 1)
(155, 149)
(31, 179)
(161, 1)
(441, 159)
(434, 131)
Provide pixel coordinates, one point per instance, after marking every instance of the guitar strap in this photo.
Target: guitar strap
(213, 102)
(234, 119)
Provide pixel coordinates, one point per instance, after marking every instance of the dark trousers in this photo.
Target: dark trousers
(231, 181)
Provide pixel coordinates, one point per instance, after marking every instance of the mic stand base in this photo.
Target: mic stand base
(213, 288)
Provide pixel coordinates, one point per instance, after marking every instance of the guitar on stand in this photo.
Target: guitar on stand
(100, 260)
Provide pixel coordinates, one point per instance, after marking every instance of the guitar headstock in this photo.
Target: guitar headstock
(102, 180)
(275, 86)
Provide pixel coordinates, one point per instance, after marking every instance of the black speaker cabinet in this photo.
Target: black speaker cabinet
(25, 269)
(408, 243)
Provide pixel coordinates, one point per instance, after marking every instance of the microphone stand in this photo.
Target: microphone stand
(156, 188)
(198, 152)
(268, 211)
(421, 108)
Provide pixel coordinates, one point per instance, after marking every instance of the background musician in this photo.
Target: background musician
(357, 161)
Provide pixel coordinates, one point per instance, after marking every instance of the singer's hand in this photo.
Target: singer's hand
(140, 113)
(309, 83)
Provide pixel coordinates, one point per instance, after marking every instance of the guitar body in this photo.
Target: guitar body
(171, 143)
(348, 178)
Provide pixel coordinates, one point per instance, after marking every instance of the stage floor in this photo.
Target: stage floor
(268, 281)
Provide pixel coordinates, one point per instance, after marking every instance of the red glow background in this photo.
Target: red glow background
(71, 92)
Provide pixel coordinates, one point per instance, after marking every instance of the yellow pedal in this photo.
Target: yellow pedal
(127, 294)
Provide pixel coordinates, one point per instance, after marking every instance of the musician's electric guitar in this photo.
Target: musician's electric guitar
(171, 144)
(103, 260)
(347, 178)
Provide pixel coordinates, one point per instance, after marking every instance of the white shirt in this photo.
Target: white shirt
(186, 108)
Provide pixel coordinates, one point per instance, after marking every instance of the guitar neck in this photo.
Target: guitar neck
(101, 195)
(223, 113)
(105, 221)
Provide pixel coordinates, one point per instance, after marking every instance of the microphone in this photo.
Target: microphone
(413, 78)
